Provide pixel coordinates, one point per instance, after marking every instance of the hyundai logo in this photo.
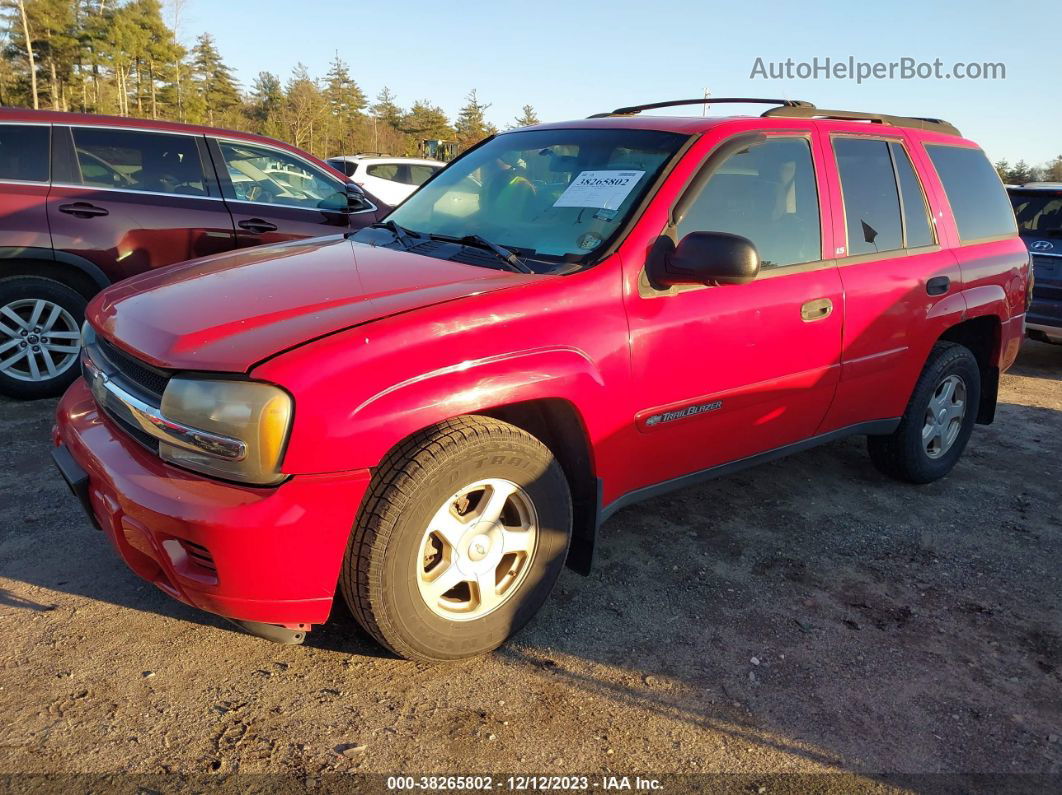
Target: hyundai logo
(1042, 245)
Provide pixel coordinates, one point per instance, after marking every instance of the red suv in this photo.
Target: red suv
(434, 415)
(90, 200)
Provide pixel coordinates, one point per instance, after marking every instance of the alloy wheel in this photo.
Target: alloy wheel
(39, 340)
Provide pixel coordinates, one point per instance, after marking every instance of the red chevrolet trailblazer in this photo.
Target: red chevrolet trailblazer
(433, 414)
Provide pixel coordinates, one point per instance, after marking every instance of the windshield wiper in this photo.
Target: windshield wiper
(478, 241)
(402, 235)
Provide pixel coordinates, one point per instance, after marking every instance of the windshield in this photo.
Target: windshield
(1038, 212)
(551, 194)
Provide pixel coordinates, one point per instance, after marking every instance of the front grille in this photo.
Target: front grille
(138, 434)
(138, 379)
(133, 371)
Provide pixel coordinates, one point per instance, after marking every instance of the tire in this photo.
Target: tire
(907, 454)
(27, 349)
(427, 515)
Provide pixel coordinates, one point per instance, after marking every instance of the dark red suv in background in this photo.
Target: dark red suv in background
(89, 200)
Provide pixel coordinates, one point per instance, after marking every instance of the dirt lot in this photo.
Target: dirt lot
(805, 616)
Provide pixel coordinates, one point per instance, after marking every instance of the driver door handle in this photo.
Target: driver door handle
(82, 210)
(819, 309)
(257, 225)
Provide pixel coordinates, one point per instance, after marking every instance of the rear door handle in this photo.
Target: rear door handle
(82, 210)
(819, 309)
(257, 225)
(938, 285)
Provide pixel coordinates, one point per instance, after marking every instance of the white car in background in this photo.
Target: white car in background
(391, 179)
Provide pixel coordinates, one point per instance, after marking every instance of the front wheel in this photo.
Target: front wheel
(460, 541)
(938, 421)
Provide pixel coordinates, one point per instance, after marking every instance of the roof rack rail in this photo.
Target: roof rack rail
(635, 109)
(808, 111)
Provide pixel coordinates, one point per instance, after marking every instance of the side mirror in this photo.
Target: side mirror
(357, 201)
(711, 258)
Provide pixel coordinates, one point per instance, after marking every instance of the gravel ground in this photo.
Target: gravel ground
(805, 616)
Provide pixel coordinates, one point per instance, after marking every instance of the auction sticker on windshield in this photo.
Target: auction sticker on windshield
(604, 190)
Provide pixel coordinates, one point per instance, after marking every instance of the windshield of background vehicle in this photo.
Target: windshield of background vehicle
(1038, 212)
(554, 194)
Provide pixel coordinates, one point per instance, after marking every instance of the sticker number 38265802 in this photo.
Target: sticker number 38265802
(603, 190)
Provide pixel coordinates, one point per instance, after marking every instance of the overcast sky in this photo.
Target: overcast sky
(573, 58)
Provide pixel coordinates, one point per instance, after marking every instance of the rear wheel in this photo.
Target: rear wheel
(40, 337)
(460, 540)
(938, 421)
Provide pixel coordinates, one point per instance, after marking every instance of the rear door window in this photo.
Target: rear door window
(418, 174)
(766, 193)
(916, 227)
(388, 171)
(871, 201)
(24, 152)
(141, 161)
(975, 193)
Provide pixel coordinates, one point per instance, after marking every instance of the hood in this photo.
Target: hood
(230, 311)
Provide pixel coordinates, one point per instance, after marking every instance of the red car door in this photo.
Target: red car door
(725, 372)
(129, 200)
(275, 195)
(902, 288)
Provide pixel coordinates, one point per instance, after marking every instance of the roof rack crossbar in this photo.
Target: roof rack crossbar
(672, 103)
(811, 112)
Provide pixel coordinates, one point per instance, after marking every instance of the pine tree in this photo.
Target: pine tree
(214, 79)
(304, 109)
(1021, 173)
(154, 61)
(19, 24)
(1053, 170)
(52, 22)
(471, 124)
(426, 122)
(386, 109)
(267, 97)
(345, 99)
(528, 118)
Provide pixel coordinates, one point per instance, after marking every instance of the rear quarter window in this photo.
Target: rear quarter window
(976, 195)
(388, 171)
(24, 152)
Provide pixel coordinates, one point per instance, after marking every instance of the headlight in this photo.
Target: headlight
(232, 429)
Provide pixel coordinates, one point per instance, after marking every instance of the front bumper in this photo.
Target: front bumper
(268, 555)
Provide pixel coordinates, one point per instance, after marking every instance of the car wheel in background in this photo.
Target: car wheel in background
(40, 337)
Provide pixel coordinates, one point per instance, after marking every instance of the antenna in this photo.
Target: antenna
(704, 107)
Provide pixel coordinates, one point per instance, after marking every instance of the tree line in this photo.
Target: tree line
(125, 57)
(1021, 172)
